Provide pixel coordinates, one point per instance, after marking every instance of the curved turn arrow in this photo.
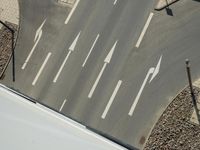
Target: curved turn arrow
(38, 35)
(154, 72)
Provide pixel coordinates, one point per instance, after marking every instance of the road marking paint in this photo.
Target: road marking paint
(71, 49)
(111, 99)
(61, 67)
(151, 70)
(41, 69)
(73, 45)
(62, 105)
(39, 29)
(97, 81)
(157, 69)
(37, 38)
(115, 2)
(144, 30)
(106, 61)
(90, 50)
(31, 52)
(154, 71)
(72, 11)
(109, 56)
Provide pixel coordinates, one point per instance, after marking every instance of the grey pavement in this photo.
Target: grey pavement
(173, 37)
(116, 22)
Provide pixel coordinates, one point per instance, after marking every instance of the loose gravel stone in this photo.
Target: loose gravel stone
(6, 45)
(173, 131)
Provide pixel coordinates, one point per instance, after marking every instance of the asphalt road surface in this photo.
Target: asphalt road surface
(114, 65)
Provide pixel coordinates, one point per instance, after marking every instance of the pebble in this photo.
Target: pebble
(173, 131)
(6, 45)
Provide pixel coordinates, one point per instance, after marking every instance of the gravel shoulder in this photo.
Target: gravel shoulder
(174, 129)
(6, 45)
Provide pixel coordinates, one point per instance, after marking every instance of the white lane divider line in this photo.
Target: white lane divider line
(72, 11)
(106, 61)
(111, 99)
(97, 81)
(144, 30)
(151, 70)
(41, 69)
(90, 50)
(71, 49)
(62, 105)
(154, 71)
(37, 38)
(61, 67)
(115, 2)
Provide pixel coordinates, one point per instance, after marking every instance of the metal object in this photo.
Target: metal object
(187, 62)
(13, 52)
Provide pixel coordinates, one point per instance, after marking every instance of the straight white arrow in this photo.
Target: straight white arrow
(71, 49)
(38, 35)
(106, 61)
(154, 72)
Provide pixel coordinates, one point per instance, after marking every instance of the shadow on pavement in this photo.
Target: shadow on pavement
(196, 0)
(168, 10)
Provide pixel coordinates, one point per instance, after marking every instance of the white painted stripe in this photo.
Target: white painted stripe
(39, 30)
(111, 99)
(157, 69)
(90, 50)
(32, 50)
(72, 11)
(72, 47)
(109, 56)
(144, 30)
(151, 70)
(115, 2)
(97, 81)
(61, 68)
(62, 105)
(41, 69)
(37, 38)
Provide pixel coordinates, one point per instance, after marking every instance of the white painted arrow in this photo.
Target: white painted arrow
(156, 69)
(38, 35)
(109, 56)
(106, 61)
(154, 72)
(39, 30)
(71, 49)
